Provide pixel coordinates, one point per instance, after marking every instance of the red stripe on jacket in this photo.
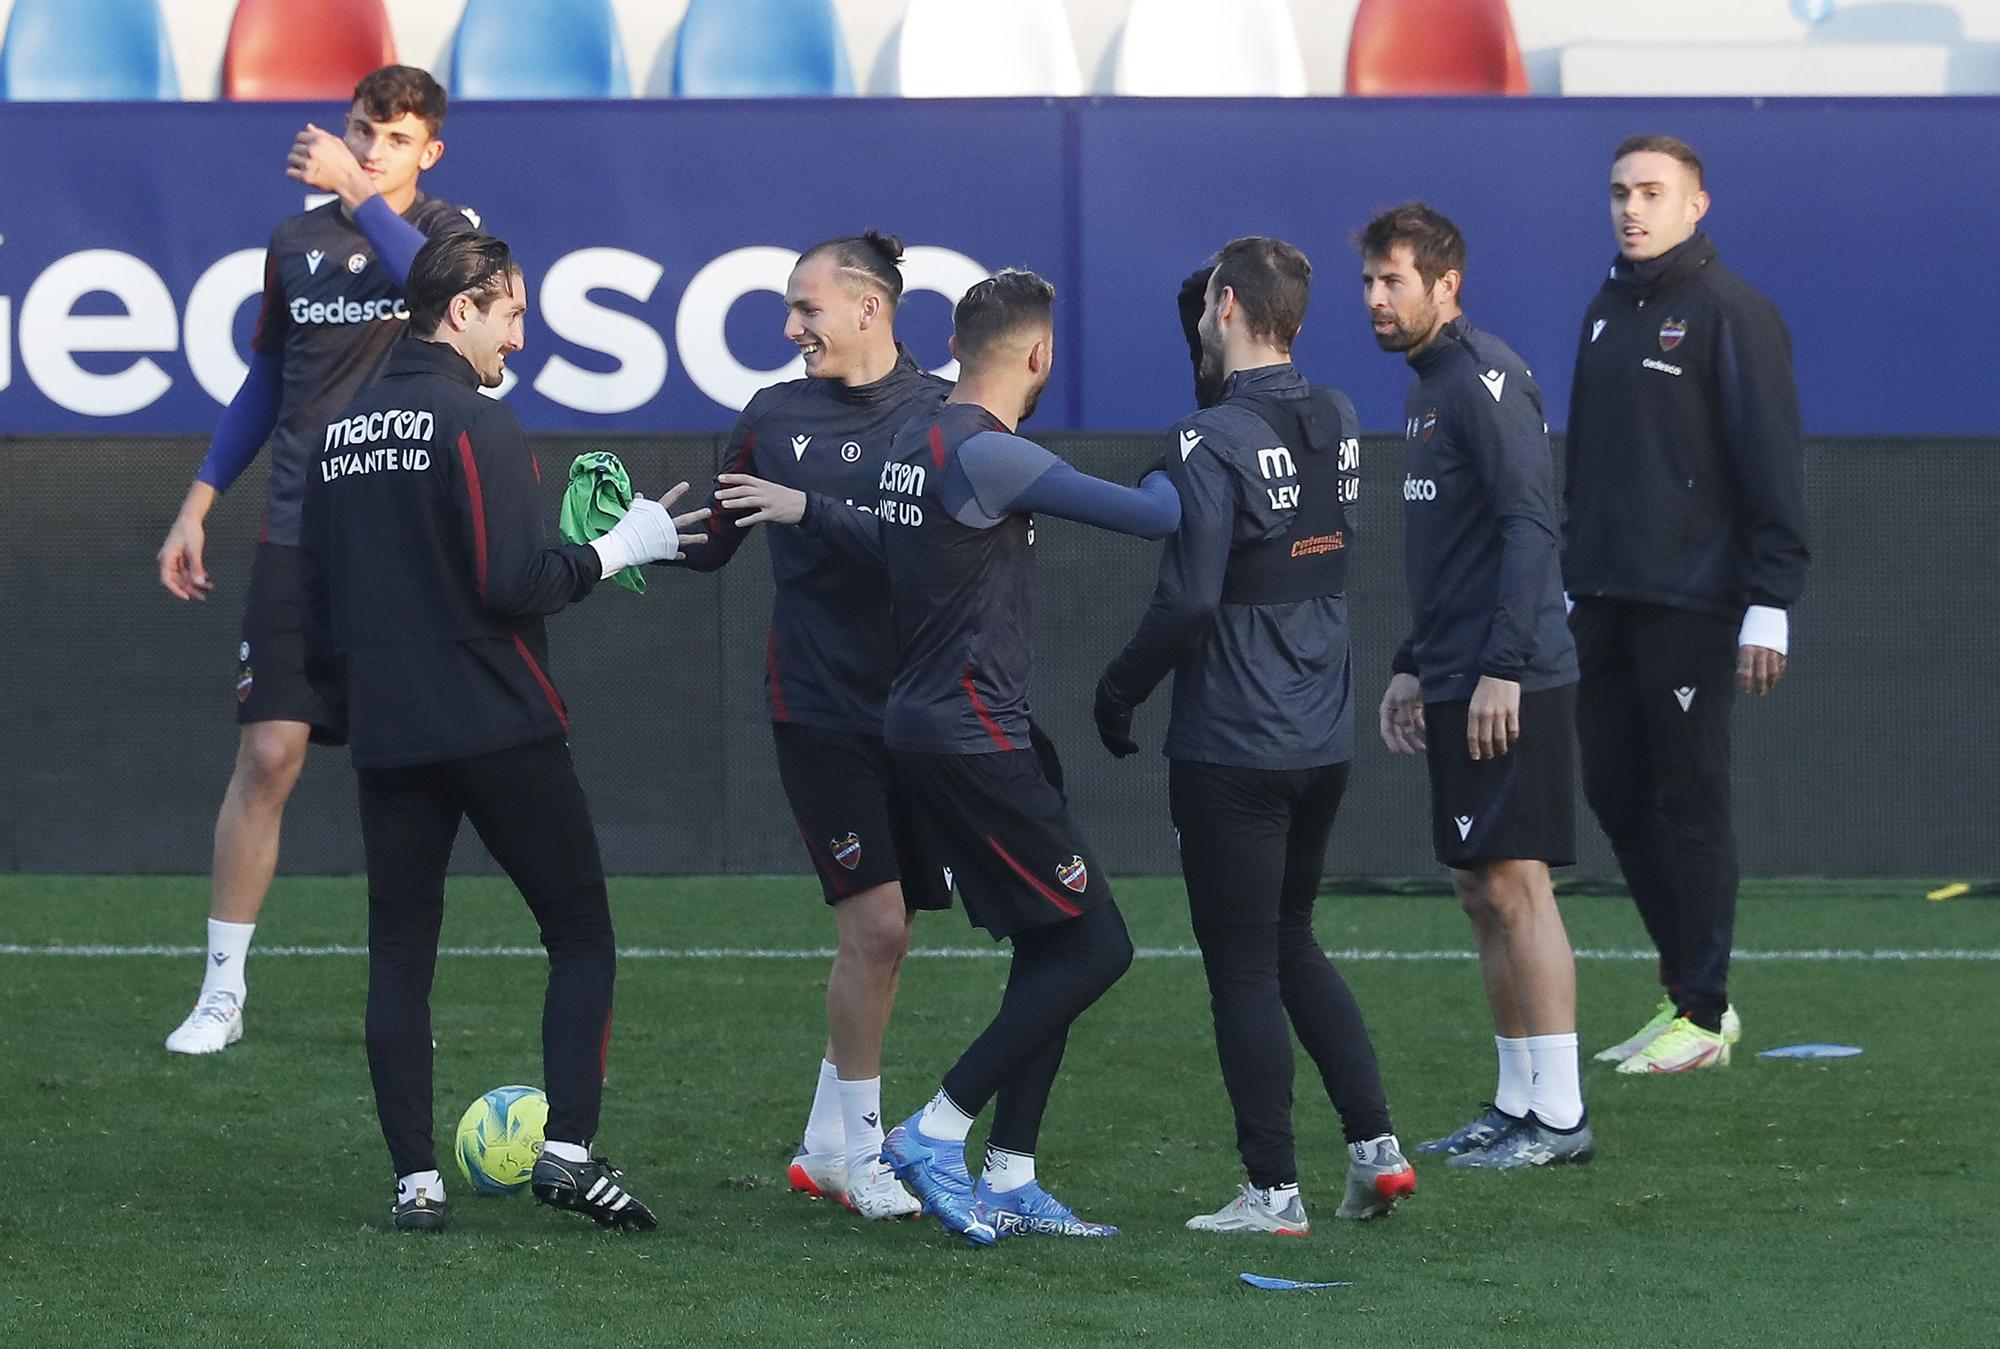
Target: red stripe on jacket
(548, 689)
(979, 710)
(478, 499)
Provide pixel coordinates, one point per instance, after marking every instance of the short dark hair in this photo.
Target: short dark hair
(450, 264)
(388, 93)
(1671, 146)
(1435, 244)
(1272, 281)
(871, 257)
(1001, 305)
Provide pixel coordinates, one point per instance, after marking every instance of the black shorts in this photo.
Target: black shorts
(1520, 805)
(855, 820)
(1004, 828)
(271, 683)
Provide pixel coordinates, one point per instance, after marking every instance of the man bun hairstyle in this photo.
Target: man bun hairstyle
(450, 264)
(1435, 243)
(869, 260)
(1671, 146)
(1008, 302)
(388, 93)
(1272, 282)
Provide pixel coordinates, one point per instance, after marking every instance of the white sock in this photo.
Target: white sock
(566, 1152)
(228, 948)
(1369, 1151)
(1517, 1075)
(1007, 1170)
(1278, 1197)
(861, 1113)
(824, 1130)
(1557, 1093)
(943, 1119)
(430, 1182)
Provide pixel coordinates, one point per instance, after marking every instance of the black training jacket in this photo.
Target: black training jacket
(429, 565)
(1685, 480)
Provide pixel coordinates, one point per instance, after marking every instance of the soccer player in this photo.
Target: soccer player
(1484, 684)
(831, 652)
(1250, 617)
(1684, 548)
(333, 280)
(954, 526)
(428, 570)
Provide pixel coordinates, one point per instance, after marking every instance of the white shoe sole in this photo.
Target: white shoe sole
(204, 1043)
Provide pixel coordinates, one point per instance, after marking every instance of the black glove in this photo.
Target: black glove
(1114, 722)
(1193, 299)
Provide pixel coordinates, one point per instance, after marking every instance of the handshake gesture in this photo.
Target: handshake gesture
(648, 533)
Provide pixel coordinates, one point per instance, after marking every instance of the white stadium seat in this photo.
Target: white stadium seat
(1210, 49)
(987, 49)
(1776, 69)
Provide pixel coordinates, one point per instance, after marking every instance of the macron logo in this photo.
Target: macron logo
(799, 444)
(1464, 823)
(1189, 439)
(1495, 381)
(314, 259)
(1684, 696)
(1595, 329)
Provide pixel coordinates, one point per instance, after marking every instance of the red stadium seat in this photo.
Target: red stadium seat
(1434, 47)
(304, 49)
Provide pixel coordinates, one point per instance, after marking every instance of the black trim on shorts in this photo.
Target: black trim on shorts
(1520, 805)
(854, 818)
(271, 682)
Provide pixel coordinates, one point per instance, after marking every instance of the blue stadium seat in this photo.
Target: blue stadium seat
(760, 49)
(538, 49)
(85, 50)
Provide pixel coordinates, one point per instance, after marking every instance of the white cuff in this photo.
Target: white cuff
(1766, 627)
(1569, 605)
(612, 556)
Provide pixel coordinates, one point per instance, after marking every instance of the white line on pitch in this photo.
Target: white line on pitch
(997, 952)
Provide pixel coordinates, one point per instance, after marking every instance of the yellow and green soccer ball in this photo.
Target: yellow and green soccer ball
(499, 1138)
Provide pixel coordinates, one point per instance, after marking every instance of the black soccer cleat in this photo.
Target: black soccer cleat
(589, 1188)
(418, 1214)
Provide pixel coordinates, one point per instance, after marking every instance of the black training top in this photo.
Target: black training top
(429, 565)
(832, 646)
(1685, 481)
(331, 312)
(1479, 542)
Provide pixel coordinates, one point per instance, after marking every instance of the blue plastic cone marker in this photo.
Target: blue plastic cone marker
(1265, 1281)
(1812, 1051)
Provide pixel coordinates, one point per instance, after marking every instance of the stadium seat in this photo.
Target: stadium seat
(266, 60)
(538, 49)
(1434, 47)
(760, 49)
(85, 50)
(987, 49)
(1210, 49)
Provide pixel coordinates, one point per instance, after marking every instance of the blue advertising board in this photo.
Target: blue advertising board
(657, 236)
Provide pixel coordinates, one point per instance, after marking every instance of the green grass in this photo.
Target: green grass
(241, 1199)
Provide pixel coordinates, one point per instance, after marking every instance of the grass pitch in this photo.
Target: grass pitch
(242, 1198)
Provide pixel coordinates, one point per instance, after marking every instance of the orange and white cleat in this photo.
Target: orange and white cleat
(822, 1175)
(1377, 1176)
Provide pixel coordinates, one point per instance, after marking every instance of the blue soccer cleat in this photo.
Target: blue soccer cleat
(1491, 1125)
(1027, 1210)
(935, 1169)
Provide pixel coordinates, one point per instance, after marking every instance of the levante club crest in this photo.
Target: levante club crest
(847, 851)
(1074, 874)
(1671, 333)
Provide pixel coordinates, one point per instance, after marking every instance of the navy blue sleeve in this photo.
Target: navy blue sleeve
(1511, 448)
(1192, 567)
(1009, 474)
(246, 423)
(395, 239)
(725, 536)
(853, 530)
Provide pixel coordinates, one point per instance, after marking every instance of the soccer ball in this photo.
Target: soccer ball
(499, 1138)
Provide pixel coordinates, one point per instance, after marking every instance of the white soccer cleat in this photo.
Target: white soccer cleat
(880, 1195)
(1253, 1211)
(823, 1175)
(215, 1024)
(1656, 1026)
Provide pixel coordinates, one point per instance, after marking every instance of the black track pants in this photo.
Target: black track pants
(1652, 723)
(530, 812)
(1253, 845)
(1058, 972)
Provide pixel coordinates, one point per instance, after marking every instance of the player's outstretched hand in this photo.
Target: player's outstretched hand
(1493, 721)
(321, 160)
(1114, 723)
(1403, 715)
(647, 533)
(684, 519)
(181, 569)
(761, 502)
(1758, 669)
